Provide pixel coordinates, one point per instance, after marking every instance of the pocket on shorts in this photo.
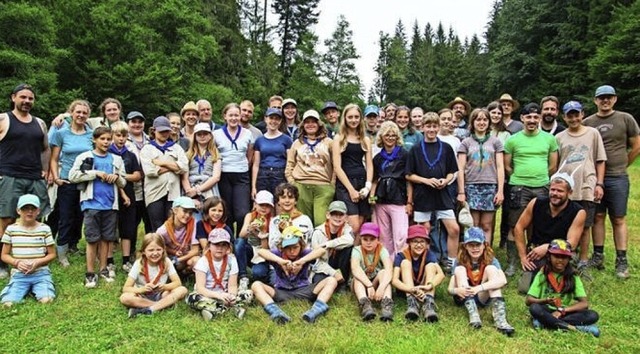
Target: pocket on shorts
(515, 196)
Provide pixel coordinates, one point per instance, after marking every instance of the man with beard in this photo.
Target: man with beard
(246, 115)
(509, 105)
(550, 107)
(552, 217)
(24, 158)
(461, 109)
(204, 111)
(530, 156)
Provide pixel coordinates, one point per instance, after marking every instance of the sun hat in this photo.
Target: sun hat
(189, 106)
(507, 97)
(417, 231)
(459, 99)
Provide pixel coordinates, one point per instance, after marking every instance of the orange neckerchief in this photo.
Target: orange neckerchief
(557, 288)
(475, 279)
(370, 268)
(266, 219)
(327, 231)
(407, 255)
(208, 227)
(184, 245)
(217, 280)
(145, 272)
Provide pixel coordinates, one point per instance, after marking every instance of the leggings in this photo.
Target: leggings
(581, 318)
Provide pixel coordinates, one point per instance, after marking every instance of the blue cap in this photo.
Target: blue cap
(28, 199)
(371, 109)
(605, 90)
(273, 112)
(474, 234)
(329, 105)
(572, 106)
(184, 203)
(161, 124)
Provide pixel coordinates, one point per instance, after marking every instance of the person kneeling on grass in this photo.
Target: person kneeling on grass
(478, 280)
(216, 288)
(153, 283)
(417, 273)
(371, 268)
(550, 297)
(179, 233)
(292, 262)
(28, 247)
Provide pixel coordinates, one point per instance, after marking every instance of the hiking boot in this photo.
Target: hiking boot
(104, 274)
(597, 261)
(622, 268)
(412, 308)
(499, 312)
(474, 315)
(386, 315)
(239, 312)
(206, 314)
(366, 310)
(512, 259)
(3, 272)
(591, 329)
(315, 311)
(90, 280)
(243, 284)
(276, 314)
(62, 255)
(583, 271)
(127, 267)
(112, 270)
(429, 309)
(133, 312)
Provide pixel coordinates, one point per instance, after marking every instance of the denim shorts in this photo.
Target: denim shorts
(39, 283)
(616, 196)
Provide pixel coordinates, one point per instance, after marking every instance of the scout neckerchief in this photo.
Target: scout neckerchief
(201, 160)
(235, 138)
(370, 268)
(208, 227)
(311, 146)
(430, 163)
(557, 287)
(114, 149)
(481, 142)
(477, 278)
(187, 236)
(388, 158)
(217, 280)
(407, 255)
(163, 148)
(327, 231)
(145, 272)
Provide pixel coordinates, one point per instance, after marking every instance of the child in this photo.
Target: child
(179, 233)
(550, 298)
(478, 280)
(253, 236)
(216, 288)
(204, 166)
(28, 247)
(127, 226)
(104, 173)
(372, 269)
(214, 216)
(336, 236)
(416, 272)
(287, 199)
(153, 283)
(292, 262)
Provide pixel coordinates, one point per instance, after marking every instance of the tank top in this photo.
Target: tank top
(352, 163)
(547, 228)
(20, 149)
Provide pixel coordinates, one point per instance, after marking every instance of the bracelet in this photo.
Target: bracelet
(461, 193)
(601, 185)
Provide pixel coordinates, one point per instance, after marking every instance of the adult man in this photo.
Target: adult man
(550, 108)
(461, 110)
(619, 131)
(24, 158)
(509, 105)
(332, 117)
(274, 102)
(205, 112)
(530, 156)
(246, 115)
(549, 218)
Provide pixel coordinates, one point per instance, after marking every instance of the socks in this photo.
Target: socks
(598, 249)
(110, 260)
(621, 254)
(125, 259)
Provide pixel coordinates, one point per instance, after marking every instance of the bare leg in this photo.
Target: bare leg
(103, 251)
(91, 256)
(453, 232)
(486, 224)
(325, 289)
(619, 225)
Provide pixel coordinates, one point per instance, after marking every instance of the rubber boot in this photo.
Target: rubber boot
(366, 310)
(276, 314)
(412, 308)
(474, 316)
(62, 255)
(512, 259)
(499, 311)
(429, 309)
(386, 314)
(315, 311)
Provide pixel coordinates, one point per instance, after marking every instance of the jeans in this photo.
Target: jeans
(243, 252)
(70, 222)
(40, 283)
(543, 314)
(235, 190)
(158, 212)
(269, 178)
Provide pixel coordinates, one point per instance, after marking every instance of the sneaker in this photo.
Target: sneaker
(127, 267)
(3, 273)
(591, 329)
(622, 268)
(239, 312)
(597, 261)
(105, 274)
(244, 284)
(90, 281)
(206, 314)
(133, 312)
(536, 324)
(112, 270)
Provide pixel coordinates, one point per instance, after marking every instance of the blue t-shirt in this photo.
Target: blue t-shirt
(415, 263)
(71, 145)
(103, 192)
(273, 152)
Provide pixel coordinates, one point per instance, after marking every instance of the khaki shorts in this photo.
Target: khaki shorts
(11, 189)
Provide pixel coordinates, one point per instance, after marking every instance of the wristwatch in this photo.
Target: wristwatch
(561, 309)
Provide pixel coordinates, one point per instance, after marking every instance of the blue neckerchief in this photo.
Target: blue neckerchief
(292, 131)
(201, 161)
(430, 163)
(234, 139)
(114, 149)
(164, 148)
(138, 145)
(388, 158)
(311, 146)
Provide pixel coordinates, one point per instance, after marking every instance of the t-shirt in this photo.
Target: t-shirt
(615, 129)
(28, 244)
(540, 289)
(578, 157)
(415, 263)
(180, 234)
(356, 253)
(137, 274)
(515, 126)
(131, 165)
(411, 139)
(273, 151)
(502, 136)
(103, 192)
(530, 158)
(202, 265)
(234, 157)
(392, 184)
(71, 145)
(480, 169)
(201, 233)
(291, 282)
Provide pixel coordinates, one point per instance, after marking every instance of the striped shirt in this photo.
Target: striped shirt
(28, 244)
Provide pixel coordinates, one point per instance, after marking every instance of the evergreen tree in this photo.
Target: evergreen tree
(397, 67)
(381, 82)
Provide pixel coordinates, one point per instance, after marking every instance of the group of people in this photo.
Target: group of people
(313, 204)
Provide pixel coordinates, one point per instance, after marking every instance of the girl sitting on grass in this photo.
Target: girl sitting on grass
(478, 280)
(153, 283)
(552, 293)
(179, 233)
(292, 261)
(214, 216)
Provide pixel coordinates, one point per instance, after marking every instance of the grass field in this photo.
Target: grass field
(83, 321)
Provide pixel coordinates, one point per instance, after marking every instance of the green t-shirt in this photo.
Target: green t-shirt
(540, 289)
(530, 158)
(356, 253)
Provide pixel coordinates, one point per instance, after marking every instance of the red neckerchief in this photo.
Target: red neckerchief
(370, 268)
(475, 279)
(208, 227)
(217, 280)
(145, 272)
(184, 245)
(557, 288)
(327, 231)
(407, 255)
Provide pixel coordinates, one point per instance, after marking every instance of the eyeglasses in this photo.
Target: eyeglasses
(390, 136)
(419, 242)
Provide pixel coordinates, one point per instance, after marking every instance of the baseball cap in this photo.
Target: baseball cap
(560, 247)
(565, 177)
(417, 231)
(291, 235)
(28, 199)
(202, 127)
(189, 106)
(329, 105)
(605, 90)
(289, 100)
(572, 106)
(184, 203)
(161, 124)
(473, 235)
(337, 206)
(371, 109)
(530, 108)
(264, 197)
(273, 112)
(219, 235)
(371, 229)
(134, 114)
(312, 113)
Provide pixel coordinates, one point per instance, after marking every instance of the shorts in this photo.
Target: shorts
(154, 296)
(362, 207)
(127, 226)
(425, 216)
(100, 225)
(519, 197)
(480, 196)
(590, 208)
(305, 292)
(616, 196)
(13, 188)
(39, 283)
(460, 302)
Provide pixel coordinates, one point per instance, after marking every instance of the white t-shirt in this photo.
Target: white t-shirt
(136, 272)
(234, 160)
(203, 266)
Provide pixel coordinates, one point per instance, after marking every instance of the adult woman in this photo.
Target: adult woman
(189, 113)
(350, 147)
(498, 128)
(66, 144)
(204, 166)
(310, 167)
(111, 110)
(270, 155)
(410, 136)
(390, 111)
(416, 117)
(176, 131)
(235, 145)
(291, 118)
(481, 180)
